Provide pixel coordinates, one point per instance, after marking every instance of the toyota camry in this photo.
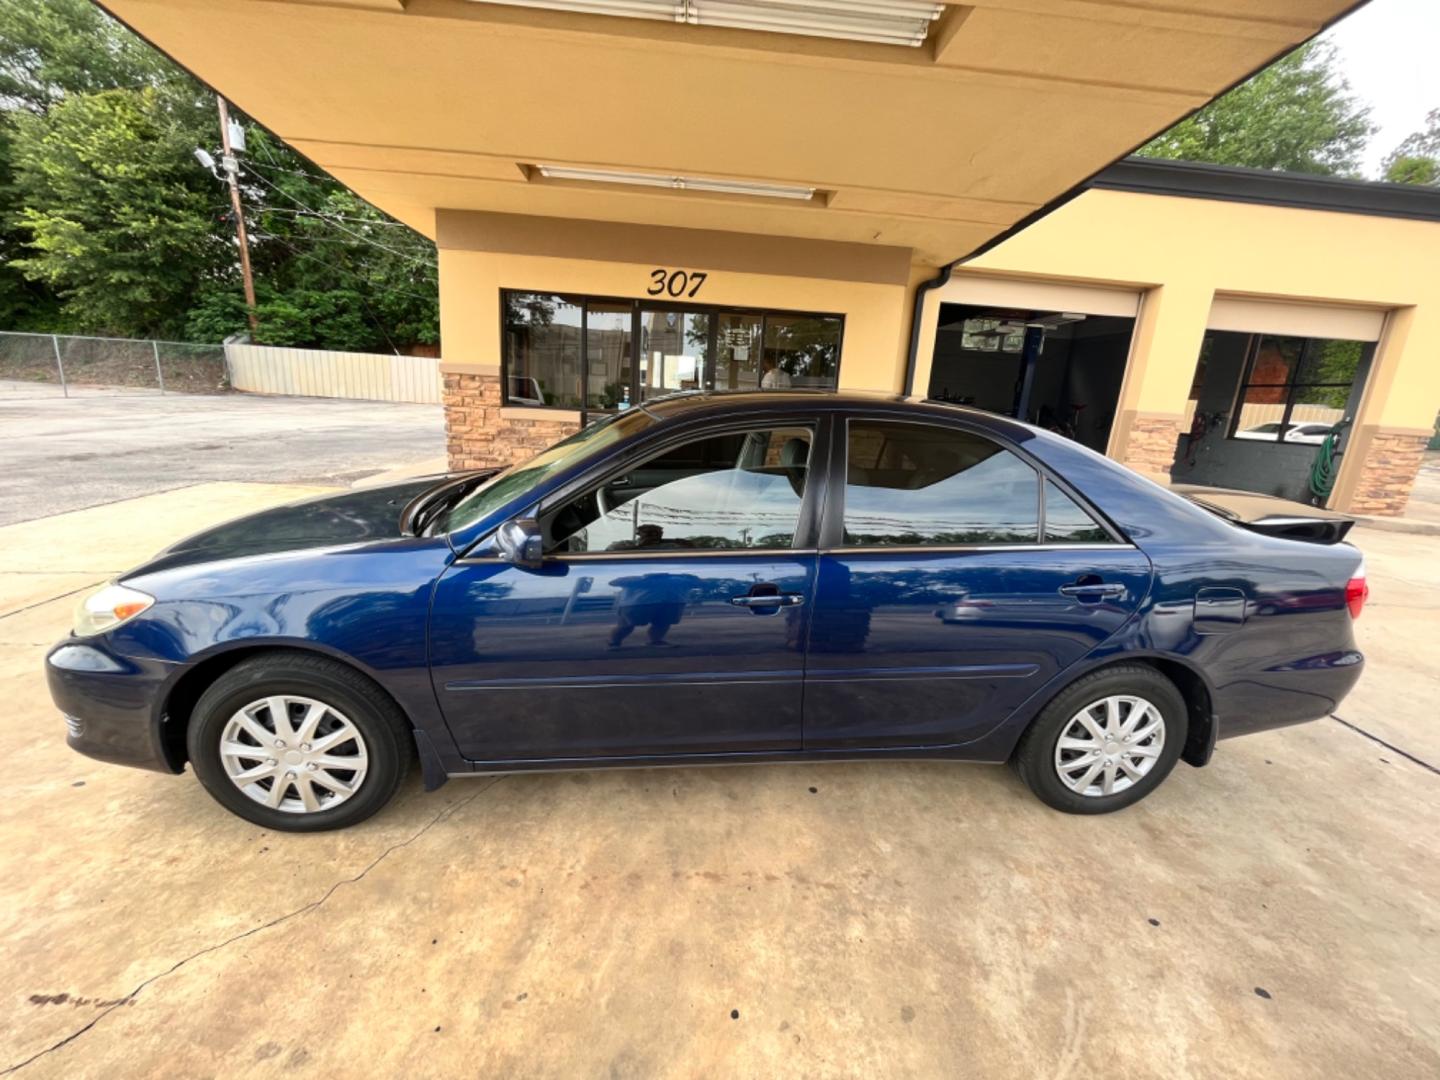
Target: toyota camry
(722, 577)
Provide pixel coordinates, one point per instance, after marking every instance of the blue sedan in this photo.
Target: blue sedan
(783, 576)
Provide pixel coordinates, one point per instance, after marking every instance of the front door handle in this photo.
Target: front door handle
(772, 600)
(1093, 592)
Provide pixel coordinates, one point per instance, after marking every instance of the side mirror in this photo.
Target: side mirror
(520, 543)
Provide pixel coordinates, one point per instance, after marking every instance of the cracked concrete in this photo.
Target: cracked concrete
(1273, 915)
(108, 1007)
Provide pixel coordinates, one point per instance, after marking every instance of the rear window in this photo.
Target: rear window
(1066, 522)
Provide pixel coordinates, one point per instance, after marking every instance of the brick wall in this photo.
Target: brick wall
(1392, 460)
(1150, 444)
(477, 436)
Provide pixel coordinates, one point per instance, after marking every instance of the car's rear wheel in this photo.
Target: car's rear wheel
(298, 743)
(1105, 742)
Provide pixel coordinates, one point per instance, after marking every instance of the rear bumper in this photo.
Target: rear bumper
(1294, 693)
(110, 704)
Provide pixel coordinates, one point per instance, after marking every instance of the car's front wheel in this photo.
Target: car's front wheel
(1105, 742)
(298, 743)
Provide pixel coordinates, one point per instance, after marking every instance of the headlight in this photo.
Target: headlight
(108, 608)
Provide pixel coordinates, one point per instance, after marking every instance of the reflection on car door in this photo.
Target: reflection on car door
(670, 619)
(945, 598)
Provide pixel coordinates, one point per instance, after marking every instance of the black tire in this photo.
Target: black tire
(389, 742)
(1034, 757)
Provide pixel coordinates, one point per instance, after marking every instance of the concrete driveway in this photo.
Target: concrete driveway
(1273, 915)
(99, 446)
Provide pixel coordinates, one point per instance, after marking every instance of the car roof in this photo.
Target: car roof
(741, 403)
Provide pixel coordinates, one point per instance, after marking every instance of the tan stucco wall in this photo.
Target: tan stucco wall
(1179, 253)
(868, 285)
(1176, 254)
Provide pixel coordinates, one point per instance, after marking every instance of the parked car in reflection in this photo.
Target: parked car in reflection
(759, 576)
(1309, 432)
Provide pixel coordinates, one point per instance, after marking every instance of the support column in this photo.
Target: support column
(1396, 418)
(480, 432)
(1153, 398)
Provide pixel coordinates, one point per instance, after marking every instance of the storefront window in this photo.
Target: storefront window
(800, 350)
(1295, 389)
(607, 354)
(577, 352)
(542, 350)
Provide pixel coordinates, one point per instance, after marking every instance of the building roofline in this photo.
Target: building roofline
(1230, 183)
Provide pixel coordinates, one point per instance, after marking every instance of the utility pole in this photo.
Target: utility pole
(232, 170)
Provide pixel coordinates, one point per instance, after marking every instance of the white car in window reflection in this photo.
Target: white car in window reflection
(1310, 433)
(526, 391)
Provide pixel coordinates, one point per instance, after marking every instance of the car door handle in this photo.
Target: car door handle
(773, 600)
(1089, 592)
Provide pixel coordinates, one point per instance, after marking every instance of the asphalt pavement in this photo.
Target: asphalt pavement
(99, 446)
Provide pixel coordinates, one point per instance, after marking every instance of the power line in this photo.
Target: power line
(334, 217)
(350, 232)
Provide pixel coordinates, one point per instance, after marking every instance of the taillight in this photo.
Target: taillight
(1357, 591)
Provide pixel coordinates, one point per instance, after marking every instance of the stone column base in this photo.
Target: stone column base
(1390, 461)
(481, 434)
(1147, 442)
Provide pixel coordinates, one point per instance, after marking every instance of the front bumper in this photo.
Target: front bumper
(111, 704)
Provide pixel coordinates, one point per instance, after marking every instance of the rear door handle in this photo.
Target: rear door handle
(1089, 592)
(773, 600)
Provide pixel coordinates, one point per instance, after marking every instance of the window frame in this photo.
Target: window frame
(637, 307)
(832, 525)
(1291, 386)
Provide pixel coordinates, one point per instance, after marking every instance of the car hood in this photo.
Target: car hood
(348, 517)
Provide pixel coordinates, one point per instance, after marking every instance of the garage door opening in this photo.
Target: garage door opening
(1272, 413)
(1059, 370)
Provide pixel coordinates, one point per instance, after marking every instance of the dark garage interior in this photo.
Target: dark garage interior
(1059, 370)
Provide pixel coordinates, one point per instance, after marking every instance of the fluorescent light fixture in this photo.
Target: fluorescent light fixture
(890, 22)
(678, 183)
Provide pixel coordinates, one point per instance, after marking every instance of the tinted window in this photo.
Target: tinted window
(917, 484)
(516, 480)
(735, 491)
(542, 350)
(1066, 523)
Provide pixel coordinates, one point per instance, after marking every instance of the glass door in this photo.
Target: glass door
(738, 337)
(675, 348)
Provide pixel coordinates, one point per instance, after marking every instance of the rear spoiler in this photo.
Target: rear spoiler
(1268, 515)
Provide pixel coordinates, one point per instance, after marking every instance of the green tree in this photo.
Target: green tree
(110, 226)
(120, 225)
(1298, 115)
(331, 270)
(24, 304)
(57, 47)
(1417, 159)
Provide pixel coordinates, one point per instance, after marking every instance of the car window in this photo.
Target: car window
(514, 481)
(1067, 523)
(920, 484)
(737, 491)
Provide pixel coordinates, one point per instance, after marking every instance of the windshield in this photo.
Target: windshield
(504, 486)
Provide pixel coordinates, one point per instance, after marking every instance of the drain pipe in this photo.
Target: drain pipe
(938, 282)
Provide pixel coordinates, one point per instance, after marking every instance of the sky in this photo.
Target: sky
(1390, 54)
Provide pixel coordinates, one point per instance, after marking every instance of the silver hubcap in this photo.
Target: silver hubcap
(294, 754)
(1110, 745)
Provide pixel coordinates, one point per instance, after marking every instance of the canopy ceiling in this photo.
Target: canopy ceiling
(456, 104)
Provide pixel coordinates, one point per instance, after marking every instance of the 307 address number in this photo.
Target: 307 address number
(675, 282)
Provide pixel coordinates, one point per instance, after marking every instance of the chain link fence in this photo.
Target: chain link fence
(65, 361)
